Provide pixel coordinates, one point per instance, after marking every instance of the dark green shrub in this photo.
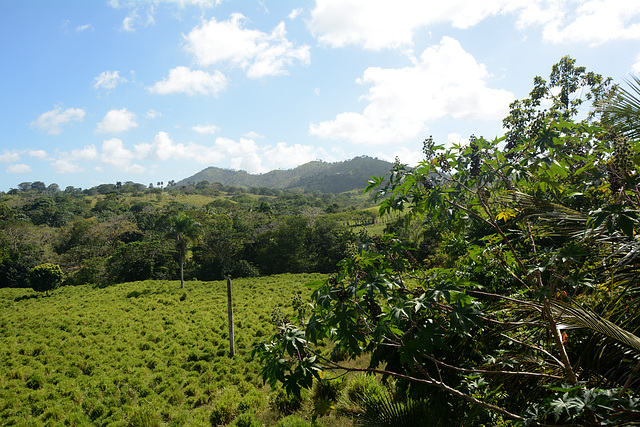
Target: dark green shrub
(283, 402)
(46, 277)
(35, 381)
(247, 420)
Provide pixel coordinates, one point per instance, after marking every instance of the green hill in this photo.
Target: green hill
(314, 176)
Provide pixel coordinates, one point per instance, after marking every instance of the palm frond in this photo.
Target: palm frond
(386, 411)
(623, 111)
(556, 219)
(571, 316)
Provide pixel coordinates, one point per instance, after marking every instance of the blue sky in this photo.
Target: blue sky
(155, 90)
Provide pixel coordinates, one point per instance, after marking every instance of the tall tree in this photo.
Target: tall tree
(184, 230)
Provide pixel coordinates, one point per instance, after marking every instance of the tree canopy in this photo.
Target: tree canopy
(528, 310)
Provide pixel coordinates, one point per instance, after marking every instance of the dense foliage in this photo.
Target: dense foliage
(122, 232)
(527, 311)
(45, 277)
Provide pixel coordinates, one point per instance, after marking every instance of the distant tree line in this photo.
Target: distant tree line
(122, 232)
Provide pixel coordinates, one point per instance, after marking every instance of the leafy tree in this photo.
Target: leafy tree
(184, 230)
(141, 260)
(46, 277)
(532, 317)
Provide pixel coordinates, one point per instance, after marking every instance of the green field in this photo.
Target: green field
(142, 354)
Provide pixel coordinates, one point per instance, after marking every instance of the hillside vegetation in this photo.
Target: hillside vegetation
(123, 232)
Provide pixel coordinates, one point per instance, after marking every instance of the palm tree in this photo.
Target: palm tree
(184, 230)
(622, 112)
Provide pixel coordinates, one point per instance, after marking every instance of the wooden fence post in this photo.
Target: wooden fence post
(232, 349)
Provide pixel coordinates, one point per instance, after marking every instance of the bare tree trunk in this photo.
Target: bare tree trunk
(232, 349)
(182, 275)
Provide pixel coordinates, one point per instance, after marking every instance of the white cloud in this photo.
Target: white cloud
(163, 148)
(19, 168)
(243, 154)
(253, 135)
(294, 13)
(38, 154)
(88, 152)
(197, 82)
(116, 121)
(128, 22)
(81, 28)
(206, 129)
(406, 155)
(593, 21)
(445, 81)
(379, 24)
(52, 121)
(284, 156)
(153, 114)
(260, 54)
(9, 156)
(66, 166)
(108, 80)
(115, 154)
(67, 162)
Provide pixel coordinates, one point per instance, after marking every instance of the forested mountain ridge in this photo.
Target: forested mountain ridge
(317, 176)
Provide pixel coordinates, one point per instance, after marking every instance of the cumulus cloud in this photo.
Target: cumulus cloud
(284, 156)
(164, 148)
(81, 28)
(405, 154)
(242, 154)
(196, 82)
(593, 21)
(52, 121)
(229, 42)
(9, 156)
(206, 129)
(108, 80)
(445, 81)
(66, 166)
(379, 24)
(116, 121)
(38, 154)
(69, 162)
(115, 154)
(88, 152)
(19, 168)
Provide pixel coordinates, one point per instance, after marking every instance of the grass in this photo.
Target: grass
(137, 354)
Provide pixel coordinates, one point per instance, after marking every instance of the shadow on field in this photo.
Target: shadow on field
(26, 297)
